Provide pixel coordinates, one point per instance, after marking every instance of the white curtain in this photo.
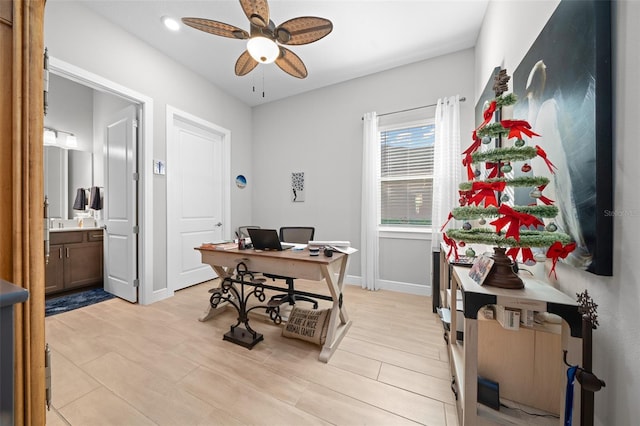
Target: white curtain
(447, 166)
(370, 205)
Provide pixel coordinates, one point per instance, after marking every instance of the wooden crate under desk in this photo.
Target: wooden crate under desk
(527, 363)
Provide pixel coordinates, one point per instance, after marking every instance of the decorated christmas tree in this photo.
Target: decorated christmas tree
(487, 197)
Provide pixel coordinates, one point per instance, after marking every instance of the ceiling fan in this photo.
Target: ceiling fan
(265, 39)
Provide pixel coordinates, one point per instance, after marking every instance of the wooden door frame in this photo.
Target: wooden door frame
(22, 195)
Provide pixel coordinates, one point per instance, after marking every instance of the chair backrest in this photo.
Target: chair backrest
(297, 234)
(242, 230)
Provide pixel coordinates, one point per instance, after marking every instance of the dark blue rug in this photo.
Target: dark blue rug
(73, 301)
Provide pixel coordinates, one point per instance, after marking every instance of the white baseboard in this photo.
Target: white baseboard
(409, 288)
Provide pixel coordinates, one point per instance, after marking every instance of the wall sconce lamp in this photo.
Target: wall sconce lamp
(61, 138)
(50, 137)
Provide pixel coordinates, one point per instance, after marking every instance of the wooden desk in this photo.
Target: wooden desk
(291, 263)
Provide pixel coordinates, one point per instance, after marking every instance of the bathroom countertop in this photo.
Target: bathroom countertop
(87, 228)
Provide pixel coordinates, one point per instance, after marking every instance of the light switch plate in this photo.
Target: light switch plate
(159, 167)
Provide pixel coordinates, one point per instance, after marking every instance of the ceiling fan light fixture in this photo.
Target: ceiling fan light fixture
(170, 23)
(263, 49)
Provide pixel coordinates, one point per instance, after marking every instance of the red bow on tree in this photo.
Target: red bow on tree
(467, 161)
(493, 169)
(445, 224)
(558, 251)
(488, 114)
(527, 254)
(515, 220)
(517, 128)
(474, 146)
(453, 247)
(542, 198)
(543, 155)
(485, 192)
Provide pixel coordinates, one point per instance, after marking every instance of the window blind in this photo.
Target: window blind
(406, 178)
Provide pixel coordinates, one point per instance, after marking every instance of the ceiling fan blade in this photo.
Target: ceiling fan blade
(290, 63)
(216, 28)
(303, 30)
(245, 64)
(257, 11)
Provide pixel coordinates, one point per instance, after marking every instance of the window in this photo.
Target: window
(406, 178)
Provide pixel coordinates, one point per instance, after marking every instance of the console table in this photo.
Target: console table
(463, 356)
(291, 263)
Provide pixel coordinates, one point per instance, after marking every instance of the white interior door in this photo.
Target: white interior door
(120, 205)
(196, 179)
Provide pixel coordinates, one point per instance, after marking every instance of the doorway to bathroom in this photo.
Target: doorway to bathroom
(109, 125)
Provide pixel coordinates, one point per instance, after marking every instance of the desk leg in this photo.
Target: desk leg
(335, 331)
(211, 312)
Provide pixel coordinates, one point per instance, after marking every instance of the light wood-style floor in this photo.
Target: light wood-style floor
(116, 363)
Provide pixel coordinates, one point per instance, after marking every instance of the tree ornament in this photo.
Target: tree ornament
(506, 168)
(536, 193)
(482, 221)
(466, 226)
(551, 227)
(470, 252)
(504, 198)
(519, 143)
(462, 201)
(477, 173)
(486, 140)
(462, 244)
(526, 168)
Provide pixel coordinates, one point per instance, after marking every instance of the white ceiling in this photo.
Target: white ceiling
(368, 37)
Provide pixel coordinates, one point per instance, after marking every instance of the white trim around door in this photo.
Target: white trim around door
(146, 293)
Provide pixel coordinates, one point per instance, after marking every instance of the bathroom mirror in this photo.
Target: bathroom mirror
(65, 172)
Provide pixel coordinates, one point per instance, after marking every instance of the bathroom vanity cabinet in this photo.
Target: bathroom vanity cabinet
(75, 259)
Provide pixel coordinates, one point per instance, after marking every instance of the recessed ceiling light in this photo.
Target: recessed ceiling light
(170, 23)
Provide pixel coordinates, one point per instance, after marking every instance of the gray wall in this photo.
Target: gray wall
(77, 36)
(320, 133)
(71, 109)
(617, 339)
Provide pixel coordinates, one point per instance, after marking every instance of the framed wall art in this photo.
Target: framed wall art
(564, 91)
(297, 187)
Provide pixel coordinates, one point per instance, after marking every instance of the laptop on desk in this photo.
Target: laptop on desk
(267, 239)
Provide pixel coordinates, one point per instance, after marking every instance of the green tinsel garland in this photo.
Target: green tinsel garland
(506, 100)
(490, 237)
(475, 212)
(492, 130)
(523, 181)
(507, 153)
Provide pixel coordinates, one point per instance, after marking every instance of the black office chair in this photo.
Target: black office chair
(299, 235)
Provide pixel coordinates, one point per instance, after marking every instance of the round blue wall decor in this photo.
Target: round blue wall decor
(241, 181)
